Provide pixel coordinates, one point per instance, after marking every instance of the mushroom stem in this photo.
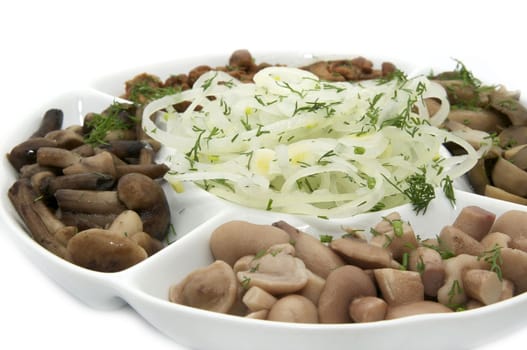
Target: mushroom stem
(36, 216)
(52, 120)
(85, 181)
(85, 201)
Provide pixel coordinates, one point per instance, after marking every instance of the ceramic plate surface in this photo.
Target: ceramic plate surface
(196, 213)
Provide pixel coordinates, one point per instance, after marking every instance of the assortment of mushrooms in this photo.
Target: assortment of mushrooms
(277, 272)
(95, 202)
(480, 112)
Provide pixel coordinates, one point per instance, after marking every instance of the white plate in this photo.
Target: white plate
(196, 214)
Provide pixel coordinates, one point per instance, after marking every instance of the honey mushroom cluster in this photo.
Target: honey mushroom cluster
(277, 272)
(90, 193)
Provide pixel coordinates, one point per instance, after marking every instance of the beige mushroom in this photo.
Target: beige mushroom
(482, 285)
(257, 299)
(294, 308)
(512, 223)
(415, 308)
(514, 268)
(313, 287)
(452, 293)
(276, 272)
(317, 257)
(127, 222)
(258, 315)
(458, 242)
(343, 285)
(399, 286)
(368, 309)
(362, 254)
(429, 264)
(394, 235)
(212, 288)
(475, 221)
(235, 239)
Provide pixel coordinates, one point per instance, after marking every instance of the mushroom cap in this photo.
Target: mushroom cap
(104, 250)
(212, 288)
(235, 239)
(293, 308)
(512, 223)
(317, 257)
(276, 272)
(144, 195)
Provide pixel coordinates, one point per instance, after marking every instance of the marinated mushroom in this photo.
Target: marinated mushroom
(275, 271)
(368, 309)
(293, 308)
(415, 308)
(105, 251)
(235, 239)
(212, 288)
(343, 285)
(318, 258)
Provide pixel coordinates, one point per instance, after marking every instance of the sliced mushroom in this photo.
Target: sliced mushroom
(318, 258)
(212, 288)
(399, 286)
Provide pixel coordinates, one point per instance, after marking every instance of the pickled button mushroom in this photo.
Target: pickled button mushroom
(294, 308)
(276, 272)
(343, 285)
(235, 239)
(212, 288)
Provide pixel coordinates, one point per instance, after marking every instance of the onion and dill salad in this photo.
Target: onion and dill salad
(293, 143)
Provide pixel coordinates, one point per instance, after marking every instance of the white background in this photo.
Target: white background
(49, 47)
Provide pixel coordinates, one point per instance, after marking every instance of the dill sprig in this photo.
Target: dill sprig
(108, 120)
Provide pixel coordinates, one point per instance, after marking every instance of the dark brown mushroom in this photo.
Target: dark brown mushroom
(40, 221)
(507, 102)
(144, 195)
(25, 153)
(52, 120)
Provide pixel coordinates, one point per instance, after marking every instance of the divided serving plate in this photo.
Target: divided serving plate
(196, 213)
